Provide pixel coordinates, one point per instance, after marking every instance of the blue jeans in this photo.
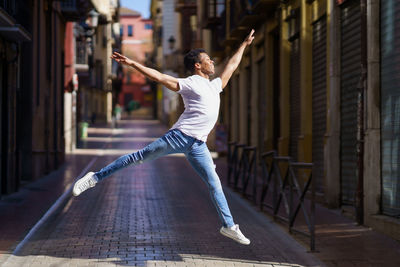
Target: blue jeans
(197, 153)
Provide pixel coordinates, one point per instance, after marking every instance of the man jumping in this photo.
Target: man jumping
(189, 134)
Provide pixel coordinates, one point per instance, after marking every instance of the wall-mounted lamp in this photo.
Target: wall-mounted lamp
(94, 16)
(171, 42)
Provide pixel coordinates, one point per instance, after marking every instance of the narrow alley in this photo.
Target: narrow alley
(155, 214)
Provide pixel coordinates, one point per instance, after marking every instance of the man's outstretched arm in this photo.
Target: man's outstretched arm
(167, 80)
(234, 61)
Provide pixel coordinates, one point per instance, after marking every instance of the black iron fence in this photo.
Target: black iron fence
(280, 183)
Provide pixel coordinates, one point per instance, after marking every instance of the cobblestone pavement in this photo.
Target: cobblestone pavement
(154, 214)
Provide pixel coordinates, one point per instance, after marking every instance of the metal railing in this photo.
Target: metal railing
(242, 169)
(280, 177)
(68, 5)
(281, 185)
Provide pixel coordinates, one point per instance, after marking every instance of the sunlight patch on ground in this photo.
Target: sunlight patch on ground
(186, 260)
(204, 260)
(137, 121)
(120, 152)
(120, 139)
(94, 130)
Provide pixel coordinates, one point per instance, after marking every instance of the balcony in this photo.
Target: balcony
(264, 6)
(245, 14)
(212, 11)
(73, 10)
(182, 4)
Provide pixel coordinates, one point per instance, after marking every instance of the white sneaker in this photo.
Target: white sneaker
(234, 233)
(83, 184)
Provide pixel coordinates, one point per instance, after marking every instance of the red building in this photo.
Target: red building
(136, 33)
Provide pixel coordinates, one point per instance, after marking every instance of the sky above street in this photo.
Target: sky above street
(142, 6)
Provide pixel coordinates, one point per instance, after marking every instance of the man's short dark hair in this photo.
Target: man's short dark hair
(192, 58)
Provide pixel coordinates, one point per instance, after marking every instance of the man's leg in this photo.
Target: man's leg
(156, 149)
(200, 158)
(152, 151)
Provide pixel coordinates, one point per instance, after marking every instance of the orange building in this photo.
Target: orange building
(136, 33)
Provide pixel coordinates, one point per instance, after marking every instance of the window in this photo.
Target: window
(130, 30)
(81, 52)
(214, 8)
(148, 26)
(121, 30)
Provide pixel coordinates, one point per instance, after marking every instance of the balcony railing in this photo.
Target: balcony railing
(212, 12)
(245, 14)
(185, 2)
(264, 6)
(73, 10)
(9, 6)
(179, 4)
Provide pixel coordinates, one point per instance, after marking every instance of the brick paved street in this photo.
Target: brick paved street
(155, 214)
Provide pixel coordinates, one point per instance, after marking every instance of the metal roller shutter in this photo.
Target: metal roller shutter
(294, 98)
(390, 103)
(249, 117)
(350, 73)
(319, 101)
(262, 122)
(276, 91)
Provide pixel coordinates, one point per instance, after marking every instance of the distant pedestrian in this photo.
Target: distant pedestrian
(117, 111)
(117, 114)
(189, 134)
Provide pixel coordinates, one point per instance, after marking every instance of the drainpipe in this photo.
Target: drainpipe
(360, 114)
(38, 55)
(56, 91)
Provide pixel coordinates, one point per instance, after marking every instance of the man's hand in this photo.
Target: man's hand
(122, 59)
(249, 38)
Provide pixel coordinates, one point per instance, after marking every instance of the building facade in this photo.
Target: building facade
(136, 33)
(92, 80)
(167, 56)
(32, 45)
(318, 85)
(40, 54)
(95, 38)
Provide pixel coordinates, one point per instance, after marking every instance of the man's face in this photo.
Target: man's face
(206, 64)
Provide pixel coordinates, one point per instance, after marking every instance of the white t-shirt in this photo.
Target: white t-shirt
(201, 99)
